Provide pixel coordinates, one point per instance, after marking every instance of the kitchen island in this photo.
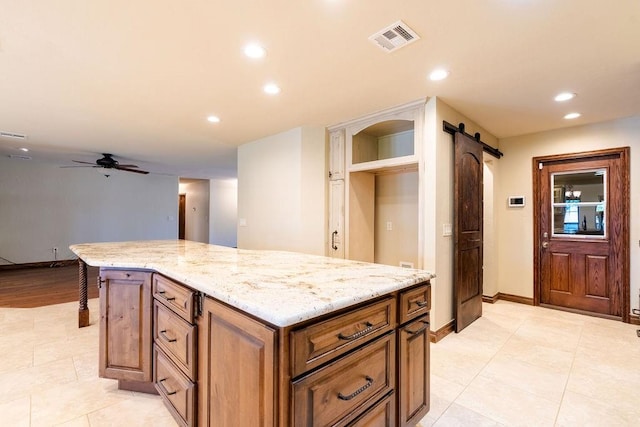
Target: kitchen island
(241, 337)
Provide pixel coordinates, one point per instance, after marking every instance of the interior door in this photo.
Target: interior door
(582, 234)
(468, 230)
(182, 203)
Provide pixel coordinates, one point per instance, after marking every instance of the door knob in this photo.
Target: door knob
(545, 245)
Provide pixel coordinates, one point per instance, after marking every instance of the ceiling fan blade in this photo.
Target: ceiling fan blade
(79, 166)
(130, 170)
(127, 166)
(86, 163)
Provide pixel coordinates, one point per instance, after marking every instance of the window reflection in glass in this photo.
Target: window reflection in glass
(579, 203)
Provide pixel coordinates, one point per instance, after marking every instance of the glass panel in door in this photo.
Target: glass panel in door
(579, 203)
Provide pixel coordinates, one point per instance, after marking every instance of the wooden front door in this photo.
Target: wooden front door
(582, 232)
(468, 230)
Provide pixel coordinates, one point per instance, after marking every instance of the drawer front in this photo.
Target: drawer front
(176, 337)
(415, 302)
(341, 390)
(321, 342)
(174, 295)
(382, 414)
(176, 390)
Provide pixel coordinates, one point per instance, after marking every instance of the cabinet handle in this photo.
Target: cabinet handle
(164, 389)
(358, 391)
(365, 331)
(163, 334)
(166, 297)
(426, 325)
(422, 303)
(333, 240)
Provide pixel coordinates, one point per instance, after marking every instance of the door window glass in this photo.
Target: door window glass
(579, 203)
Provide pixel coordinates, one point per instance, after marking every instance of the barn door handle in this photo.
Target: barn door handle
(333, 240)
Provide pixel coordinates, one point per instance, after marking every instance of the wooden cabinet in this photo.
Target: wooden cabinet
(237, 369)
(323, 341)
(125, 325)
(214, 365)
(336, 155)
(176, 389)
(336, 219)
(382, 414)
(337, 393)
(413, 356)
(175, 348)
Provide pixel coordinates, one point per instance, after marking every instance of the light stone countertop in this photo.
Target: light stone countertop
(282, 288)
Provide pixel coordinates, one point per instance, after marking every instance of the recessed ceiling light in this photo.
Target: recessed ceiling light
(254, 50)
(572, 116)
(564, 96)
(213, 119)
(439, 74)
(271, 89)
(26, 150)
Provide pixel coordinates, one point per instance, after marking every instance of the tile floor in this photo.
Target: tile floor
(517, 365)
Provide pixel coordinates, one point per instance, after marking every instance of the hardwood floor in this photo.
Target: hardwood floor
(40, 286)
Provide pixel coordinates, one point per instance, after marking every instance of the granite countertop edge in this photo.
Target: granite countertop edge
(258, 290)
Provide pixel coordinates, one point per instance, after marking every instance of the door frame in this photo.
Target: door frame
(623, 154)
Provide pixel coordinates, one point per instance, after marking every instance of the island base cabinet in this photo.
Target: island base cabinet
(236, 369)
(125, 326)
(413, 371)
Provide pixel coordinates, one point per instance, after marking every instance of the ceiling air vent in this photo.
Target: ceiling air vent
(394, 37)
(12, 135)
(20, 157)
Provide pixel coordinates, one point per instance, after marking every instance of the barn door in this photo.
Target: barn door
(468, 230)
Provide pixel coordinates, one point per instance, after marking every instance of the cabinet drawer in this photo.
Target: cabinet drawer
(320, 342)
(338, 392)
(176, 337)
(176, 390)
(415, 302)
(382, 414)
(174, 295)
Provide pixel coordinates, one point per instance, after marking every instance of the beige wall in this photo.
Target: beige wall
(396, 201)
(282, 192)
(223, 212)
(515, 230)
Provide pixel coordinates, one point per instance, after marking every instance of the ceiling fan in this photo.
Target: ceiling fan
(108, 162)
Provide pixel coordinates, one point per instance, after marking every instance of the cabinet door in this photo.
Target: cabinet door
(336, 219)
(336, 155)
(413, 369)
(125, 325)
(236, 369)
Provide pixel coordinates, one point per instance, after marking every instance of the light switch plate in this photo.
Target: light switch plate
(446, 229)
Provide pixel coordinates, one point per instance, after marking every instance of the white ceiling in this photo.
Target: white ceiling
(139, 78)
